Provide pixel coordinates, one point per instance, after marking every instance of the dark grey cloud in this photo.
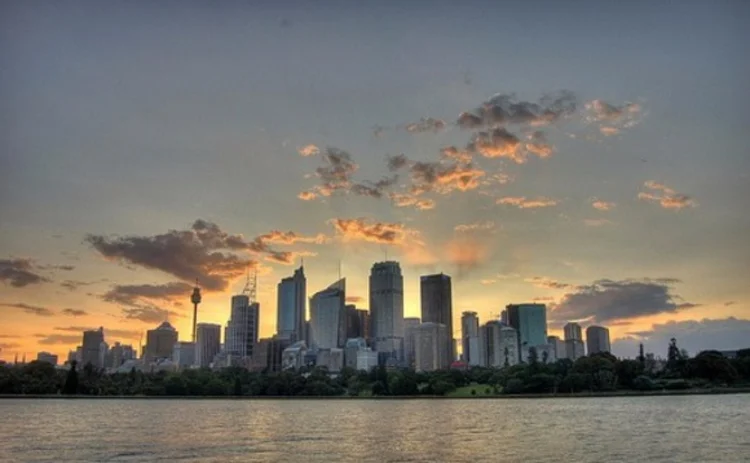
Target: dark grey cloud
(20, 273)
(444, 177)
(74, 312)
(374, 189)
(693, 335)
(29, 309)
(397, 162)
(148, 314)
(9, 346)
(503, 109)
(425, 124)
(74, 285)
(135, 294)
(609, 300)
(202, 253)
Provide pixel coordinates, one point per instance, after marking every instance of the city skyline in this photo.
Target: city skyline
(186, 144)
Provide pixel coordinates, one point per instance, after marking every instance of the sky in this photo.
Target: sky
(591, 156)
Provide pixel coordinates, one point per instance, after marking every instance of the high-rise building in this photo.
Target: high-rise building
(351, 316)
(410, 326)
(387, 309)
(499, 344)
(573, 331)
(183, 354)
(241, 333)
(120, 354)
(352, 347)
(160, 343)
(91, 347)
(328, 316)
(267, 354)
(292, 299)
(574, 349)
(430, 352)
(597, 339)
(530, 320)
(363, 317)
(557, 347)
(436, 299)
(470, 338)
(207, 344)
(46, 357)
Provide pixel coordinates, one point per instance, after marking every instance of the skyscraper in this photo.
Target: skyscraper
(597, 339)
(160, 342)
(91, 347)
(292, 299)
(241, 333)
(430, 340)
(470, 338)
(573, 331)
(328, 316)
(208, 343)
(387, 309)
(557, 347)
(437, 304)
(530, 320)
(364, 324)
(410, 326)
(498, 344)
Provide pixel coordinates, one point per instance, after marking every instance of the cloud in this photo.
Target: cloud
(58, 339)
(522, 202)
(611, 119)
(597, 222)
(428, 124)
(407, 200)
(728, 303)
(466, 255)
(114, 332)
(204, 252)
(488, 281)
(74, 312)
(548, 283)
(503, 109)
(543, 299)
(693, 335)
(602, 205)
(455, 154)
(397, 162)
(9, 346)
(336, 172)
(308, 150)
(148, 314)
(609, 300)
(538, 144)
(135, 294)
(73, 285)
(476, 226)
(354, 299)
(665, 196)
(444, 178)
(361, 229)
(499, 143)
(290, 237)
(29, 309)
(373, 189)
(307, 196)
(608, 131)
(20, 273)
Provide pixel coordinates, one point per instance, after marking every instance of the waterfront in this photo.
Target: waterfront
(674, 428)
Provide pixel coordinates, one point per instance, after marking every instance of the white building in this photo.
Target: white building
(241, 332)
(573, 331)
(331, 359)
(327, 316)
(183, 354)
(367, 359)
(499, 343)
(352, 347)
(387, 309)
(207, 344)
(293, 357)
(558, 347)
(431, 352)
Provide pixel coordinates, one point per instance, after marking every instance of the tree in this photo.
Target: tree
(71, 381)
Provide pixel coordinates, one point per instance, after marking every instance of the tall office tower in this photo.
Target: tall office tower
(183, 354)
(597, 339)
(387, 310)
(120, 354)
(499, 344)
(558, 348)
(160, 343)
(241, 333)
(90, 352)
(429, 342)
(574, 349)
(292, 313)
(410, 326)
(351, 316)
(207, 344)
(363, 317)
(437, 304)
(352, 347)
(530, 320)
(328, 316)
(573, 331)
(470, 338)
(504, 317)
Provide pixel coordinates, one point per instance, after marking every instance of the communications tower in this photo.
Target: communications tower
(195, 298)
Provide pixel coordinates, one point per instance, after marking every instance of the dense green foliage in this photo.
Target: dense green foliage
(596, 373)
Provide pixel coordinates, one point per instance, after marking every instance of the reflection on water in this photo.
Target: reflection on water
(686, 428)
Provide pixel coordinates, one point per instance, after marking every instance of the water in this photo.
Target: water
(647, 429)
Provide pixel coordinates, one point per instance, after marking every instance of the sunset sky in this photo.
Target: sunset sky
(590, 155)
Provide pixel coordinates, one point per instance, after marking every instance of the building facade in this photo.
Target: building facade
(574, 349)
(241, 332)
(572, 330)
(328, 316)
(160, 343)
(47, 358)
(597, 339)
(410, 326)
(387, 309)
(207, 344)
(91, 347)
(430, 342)
(436, 301)
(530, 321)
(183, 354)
(499, 345)
(470, 338)
(558, 348)
(292, 303)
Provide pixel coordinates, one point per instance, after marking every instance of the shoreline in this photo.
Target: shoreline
(576, 395)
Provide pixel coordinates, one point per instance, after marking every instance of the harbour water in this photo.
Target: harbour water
(640, 429)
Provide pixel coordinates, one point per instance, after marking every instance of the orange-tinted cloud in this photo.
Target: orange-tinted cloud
(29, 309)
(597, 222)
(361, 229)
(507, 109)
(602, 205)
(307, 196)
(522, 202)
(444, 178)
(665, 196)
(406, 200)
(476, 226)
(290, 237)
(308, 150)
(548, 283)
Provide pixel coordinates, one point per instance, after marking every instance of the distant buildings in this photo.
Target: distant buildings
(328, 316)
(183, 354)
(597, 339)
(498, 345)
(293, 357)
(410, 326)
(572, 330)
(119, 354)
(267, 354)
(292, 301)
(574, 348)
(387, 310)
(207, 344)
(47, 358)
(557, 347)
(436, 299)
(530, 321)
(160, 343)
(430, 342)
(241, 332)
(91, 347)
(351, 349)
(470, 338)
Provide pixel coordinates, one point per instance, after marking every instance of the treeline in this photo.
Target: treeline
(596, 373)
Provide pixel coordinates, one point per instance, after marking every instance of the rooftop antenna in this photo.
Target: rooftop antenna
(246, 289)
(339, 269)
